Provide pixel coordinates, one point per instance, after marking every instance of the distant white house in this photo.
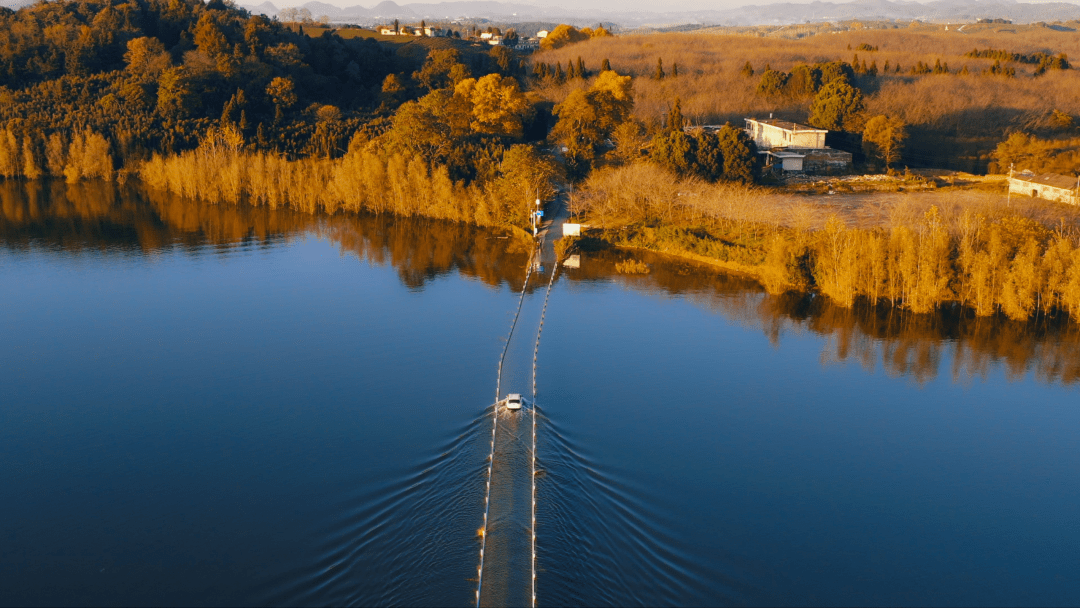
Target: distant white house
(774, 133)
(542, 34)
(794, 148)
(407, 30)
(1049, 186)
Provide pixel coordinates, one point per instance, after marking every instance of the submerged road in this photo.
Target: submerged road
(506, 578)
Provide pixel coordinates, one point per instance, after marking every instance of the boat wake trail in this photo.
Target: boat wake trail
(503, 467)
(608, 542)
(407, 525)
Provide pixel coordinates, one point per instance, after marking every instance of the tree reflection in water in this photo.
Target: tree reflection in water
(903, 343)
(106, 218)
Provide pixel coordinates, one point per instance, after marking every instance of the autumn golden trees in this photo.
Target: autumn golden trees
(497, 104)
(86, 155)
(1027, 152)
(369, 178)
(561, 36)
(442, 68)
(587, 117)
(452, 154)
(883, 138)
(155, 74)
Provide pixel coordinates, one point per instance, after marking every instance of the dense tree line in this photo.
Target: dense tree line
(1053, 62)
(155, 75)
(564, 34)
(1022, 151)
(725, 154)
(100, 89)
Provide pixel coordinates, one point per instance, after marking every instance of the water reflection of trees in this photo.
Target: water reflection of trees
(104, 217)
(902, 343)
(91, 216)
(101, 216)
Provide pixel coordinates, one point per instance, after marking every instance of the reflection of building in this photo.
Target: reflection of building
(1049, 186)
(793, 148)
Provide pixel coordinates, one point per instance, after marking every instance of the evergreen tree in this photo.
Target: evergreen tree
(772, 84)
(675, 120)
(674, 150)
(709, 158)
(739, 153)
(837, 106)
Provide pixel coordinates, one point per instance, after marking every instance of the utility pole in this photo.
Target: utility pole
(570, 202)
(1009, 185)
(536, 215)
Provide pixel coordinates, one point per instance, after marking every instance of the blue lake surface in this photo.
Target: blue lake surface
(210, 405)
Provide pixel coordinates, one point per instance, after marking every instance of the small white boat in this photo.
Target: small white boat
(514, 401)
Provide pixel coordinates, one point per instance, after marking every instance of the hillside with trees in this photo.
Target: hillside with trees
(88, 88)
(208, 102)
(959, 94)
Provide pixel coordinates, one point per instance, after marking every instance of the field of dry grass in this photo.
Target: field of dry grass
(887, 210)
(955, 121)
(613, 198)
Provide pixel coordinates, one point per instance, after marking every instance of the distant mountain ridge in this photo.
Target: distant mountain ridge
(763, 14)
(945, 11)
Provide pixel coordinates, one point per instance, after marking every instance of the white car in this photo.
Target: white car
(514, 401)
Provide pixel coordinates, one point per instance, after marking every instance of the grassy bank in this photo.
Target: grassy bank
(984, 256)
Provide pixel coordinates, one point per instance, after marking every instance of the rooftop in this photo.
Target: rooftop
(785, 124)
(1055, 180)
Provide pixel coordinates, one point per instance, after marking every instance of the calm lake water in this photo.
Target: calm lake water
(215, 405)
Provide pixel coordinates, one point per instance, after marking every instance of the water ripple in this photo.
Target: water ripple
(604, 541)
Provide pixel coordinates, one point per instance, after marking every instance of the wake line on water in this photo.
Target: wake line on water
(536, 352)
(368, 526)
(494, 427)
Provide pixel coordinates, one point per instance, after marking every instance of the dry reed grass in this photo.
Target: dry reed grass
(220, 170)
(919, 252)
